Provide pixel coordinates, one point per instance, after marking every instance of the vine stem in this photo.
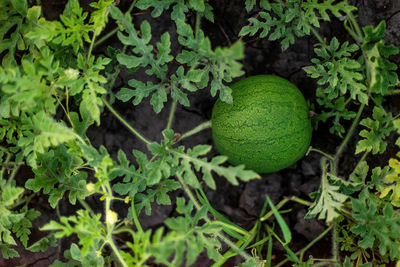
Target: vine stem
(312, 149)
(347, 138)
(106, 188)
(171, 114)
(198, 206)
(135, 217)
(116, 252)
(319, 38)
(124, 122)
(197, 129)
(91, 48)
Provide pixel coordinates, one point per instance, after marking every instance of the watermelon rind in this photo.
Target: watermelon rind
(266, 128)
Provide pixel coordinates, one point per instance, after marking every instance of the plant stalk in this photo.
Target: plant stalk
(171, 114)
(124, 122)
(347, 139)
(197, 129)
(135, 217)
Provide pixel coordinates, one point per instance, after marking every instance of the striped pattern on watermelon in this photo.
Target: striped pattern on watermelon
(266, 128)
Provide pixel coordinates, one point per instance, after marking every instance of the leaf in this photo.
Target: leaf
(88, 228)
(249, 5)
(375, 224)
(287, 235)
(22, 228)
(188, 81)
(143, 56)
(329, 201)
(158, 6)
(42, 244)
(160, 194)
(186, 238)
(7, 252)
(16, 20)
(197, 5)
(192, 157)
(91, 86)
(392, 183)
(379, 129)
(338, 72)
(56, 174)
(287, 20)
(99, 17)
(71, 30)
(382, 71)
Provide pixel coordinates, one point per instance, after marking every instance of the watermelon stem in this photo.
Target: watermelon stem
(347, 139)
(171, 114)
(311, 149)
(124, 122)
(197, 129)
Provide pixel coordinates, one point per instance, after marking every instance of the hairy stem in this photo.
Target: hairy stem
(319, 37)
(135, 217)
(312, 149)
(335, 241)
(347, 139)
(116, 252)
(124, 122)
(171, 114)
(197, 129)
(90, 48)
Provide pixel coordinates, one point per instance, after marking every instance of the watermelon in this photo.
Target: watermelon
(267, 127)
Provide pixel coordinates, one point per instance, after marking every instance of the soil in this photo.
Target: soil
(241, 204)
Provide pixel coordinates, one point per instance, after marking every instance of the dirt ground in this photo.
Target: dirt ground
(242, 204)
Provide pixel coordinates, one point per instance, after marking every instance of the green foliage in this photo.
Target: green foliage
(392, 181)
(328, 202)
(157, 173)
(220, 63)
(17, 15)
(187, 239)
(57, 174)
(377, 224)
(87, 227)
(72, 29)
(90, 85)
(192, 157)
(290, 19)
(13, 222)
(381, 71)
(379, 129)
(179, 8)
(25, 88)
(338, 76)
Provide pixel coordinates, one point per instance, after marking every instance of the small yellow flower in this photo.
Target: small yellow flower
(90, 187)
(111, 217)
(71, 73)
(98, 253)
(127, 199)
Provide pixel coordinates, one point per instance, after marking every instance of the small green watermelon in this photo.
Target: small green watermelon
(267, 127)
